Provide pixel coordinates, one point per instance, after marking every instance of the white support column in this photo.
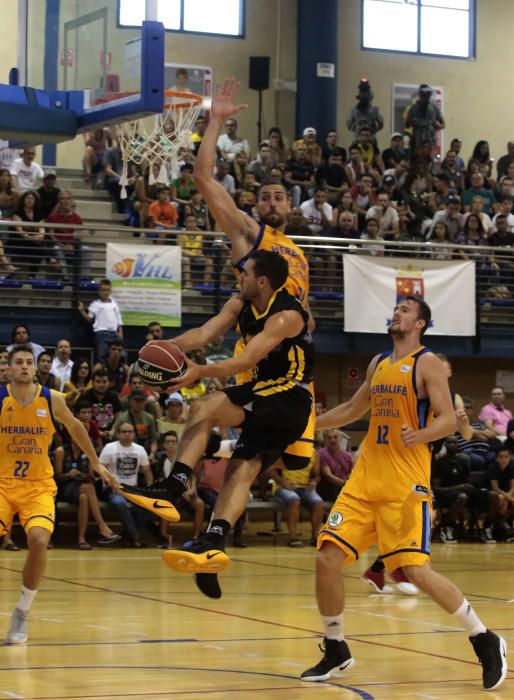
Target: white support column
(151, 10)
(22, 41)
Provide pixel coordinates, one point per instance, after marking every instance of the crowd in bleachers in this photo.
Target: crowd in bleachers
(136, 431)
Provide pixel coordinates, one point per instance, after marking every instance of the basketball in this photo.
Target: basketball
(161, 362)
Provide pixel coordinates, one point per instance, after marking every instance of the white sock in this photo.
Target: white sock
(26, 599)
(469, 619)
(333, 627)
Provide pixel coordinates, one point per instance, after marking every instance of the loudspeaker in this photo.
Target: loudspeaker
(259, 73)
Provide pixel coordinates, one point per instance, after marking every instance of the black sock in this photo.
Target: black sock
(217, 531)
(178, 479)
(378, 565)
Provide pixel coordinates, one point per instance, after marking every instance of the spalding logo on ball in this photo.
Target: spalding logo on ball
(161, 362)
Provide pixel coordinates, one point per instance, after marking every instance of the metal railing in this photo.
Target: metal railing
(47, 276)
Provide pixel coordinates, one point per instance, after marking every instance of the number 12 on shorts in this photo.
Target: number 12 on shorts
(382, 434)
(21, 469)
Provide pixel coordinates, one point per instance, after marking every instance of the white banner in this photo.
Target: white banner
(373, 286)
(146, 282)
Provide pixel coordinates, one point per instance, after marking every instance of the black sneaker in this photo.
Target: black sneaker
(208, 584)
(336, 659)
(197, 557)
(154, 498)
(492, 654)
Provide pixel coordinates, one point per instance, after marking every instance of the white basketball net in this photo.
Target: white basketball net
(171, 133)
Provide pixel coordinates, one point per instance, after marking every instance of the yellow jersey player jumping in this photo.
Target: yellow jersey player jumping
(386, 500)
(28, 416)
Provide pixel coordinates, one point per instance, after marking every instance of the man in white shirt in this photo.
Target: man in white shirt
(62, 363)
(105, 316)
(386, 215)
(318, 212)
(230, 143)
(124, 459)
(25, 171)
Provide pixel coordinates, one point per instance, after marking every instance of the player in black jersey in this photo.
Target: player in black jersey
(272, 409)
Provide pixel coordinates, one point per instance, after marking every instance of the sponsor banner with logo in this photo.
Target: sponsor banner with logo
(146, 283)
(373, 286)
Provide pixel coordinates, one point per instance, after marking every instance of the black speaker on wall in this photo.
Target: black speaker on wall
(259, 73)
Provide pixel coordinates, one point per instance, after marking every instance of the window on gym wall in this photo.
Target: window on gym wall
(431, 27)
(224, 17)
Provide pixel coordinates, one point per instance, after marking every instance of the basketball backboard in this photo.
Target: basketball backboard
(83, 68)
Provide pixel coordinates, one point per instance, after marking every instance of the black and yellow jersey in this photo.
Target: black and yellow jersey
(291, 362)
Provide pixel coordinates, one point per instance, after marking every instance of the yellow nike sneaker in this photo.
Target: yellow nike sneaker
(153, 498)
(196, 557)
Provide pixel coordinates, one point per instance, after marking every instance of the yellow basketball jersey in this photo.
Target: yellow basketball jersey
(386, 469)
(26, 433)
(271, 239)
(297, 283)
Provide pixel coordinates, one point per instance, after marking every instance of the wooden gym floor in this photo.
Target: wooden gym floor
(119, 624)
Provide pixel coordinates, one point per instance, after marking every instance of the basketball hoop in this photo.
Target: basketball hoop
(171, 133)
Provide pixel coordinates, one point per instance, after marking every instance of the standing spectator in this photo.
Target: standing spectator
(299, 175)
(335, 466)
(106, 404)
(162, 216)
(145, 429)
(105, 316)
(230, 143)
(318, 212)
(124, 458)
(68, 248)
(294, 488)
(424, 118)
(25, 171)
(386, 215)
(48, 193)
(504, 162)
(331, 147)
(96, 142)
(43, 373)
(494, 414)
(20, 335)
(62, 363)
(365, 114)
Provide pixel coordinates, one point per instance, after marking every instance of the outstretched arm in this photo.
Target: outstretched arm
(286, 324)
(351, 410)
(237, 225)
(213, 328)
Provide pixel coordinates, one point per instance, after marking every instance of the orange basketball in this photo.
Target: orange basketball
(161, 362)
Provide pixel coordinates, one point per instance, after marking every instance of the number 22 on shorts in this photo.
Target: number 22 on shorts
(21, 469)
(382, 434)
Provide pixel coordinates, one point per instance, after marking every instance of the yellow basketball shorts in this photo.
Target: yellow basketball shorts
(401, 529)
(32, 500)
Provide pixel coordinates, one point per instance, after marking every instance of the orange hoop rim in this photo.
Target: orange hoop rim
(194, 100)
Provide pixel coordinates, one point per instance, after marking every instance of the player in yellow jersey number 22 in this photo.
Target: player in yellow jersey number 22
(28, 415)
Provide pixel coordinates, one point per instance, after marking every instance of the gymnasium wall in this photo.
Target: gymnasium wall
(8, 36)
(478, 99)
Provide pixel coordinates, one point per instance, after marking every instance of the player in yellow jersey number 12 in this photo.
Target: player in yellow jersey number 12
(386, 500)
